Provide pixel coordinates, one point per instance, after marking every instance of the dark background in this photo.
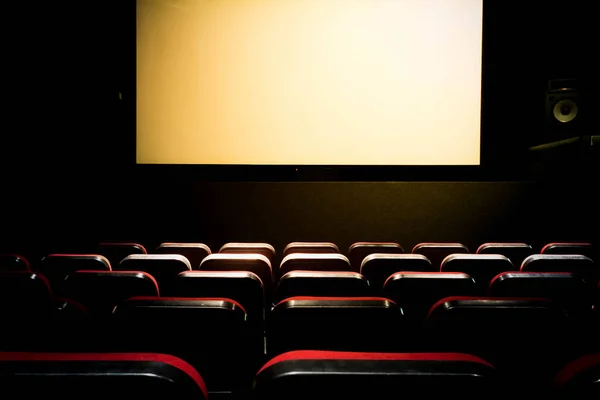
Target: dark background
(68, 173)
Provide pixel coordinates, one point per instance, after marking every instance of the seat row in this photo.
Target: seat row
(299, 374)
(435, 252)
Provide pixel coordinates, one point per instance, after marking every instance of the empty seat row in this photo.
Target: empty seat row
(298, 374)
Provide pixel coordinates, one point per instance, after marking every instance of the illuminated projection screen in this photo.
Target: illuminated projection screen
(309, 82)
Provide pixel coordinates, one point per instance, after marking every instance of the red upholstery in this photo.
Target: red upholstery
(142, 298)
(575, 367)
(144, 357)
(344, 355)
(335, 299)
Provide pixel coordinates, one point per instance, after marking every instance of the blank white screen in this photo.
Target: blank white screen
(309, 82)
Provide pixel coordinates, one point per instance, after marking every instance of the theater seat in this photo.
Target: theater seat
(210, 333)
(436, 252)
(194, 252)
(310, 248)
(515, 252)
(117, 251)
(346, 375)
(314, 262)
(579, 379)
(101, 291)
(512, 333)
(584, 249)
(163, 267)
(575, 263)
(334, 323)
(359, 250)
(377, 268)
(56, 267)
(481, 267)
(264, 249)
(416, 292)
(24, 296)
(242, 286)
(322, 283)
(13, 262)
(79, 375)
(564, 288)
(255, 263)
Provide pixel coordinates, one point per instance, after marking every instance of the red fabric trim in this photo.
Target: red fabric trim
(438, 273)
(342, 355)
(72, 302)
(455, 298)
(86, 271)
(189, 298)
(21, 257)
(563, 243)
(133, 357)
(125, 244)
(575, 367)
(333, 298)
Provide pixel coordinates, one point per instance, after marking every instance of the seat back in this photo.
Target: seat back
(101, 291)
(579, 379)
(117, 251)
(377, 268)
(56, 267)
(255, 263)
(334, 323)
(575, 263)
(264, 249)
(72, 376)
(416, 292)
(194, 252)
(515, 252)
(209, 333)
(310, 248)
(244, 287)
(585, 249)
(436, 252)
(13, 262)
(321, 283)
(163, 267)
(24, 296)
(481, 267)
(564, 288)
(345, 375)
(314, 262)
(359, 250)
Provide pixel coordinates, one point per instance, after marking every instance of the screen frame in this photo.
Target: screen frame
(497, 161)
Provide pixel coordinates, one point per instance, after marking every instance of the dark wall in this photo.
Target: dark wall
(67, 149)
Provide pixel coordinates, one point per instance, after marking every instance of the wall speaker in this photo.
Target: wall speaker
(564, 109)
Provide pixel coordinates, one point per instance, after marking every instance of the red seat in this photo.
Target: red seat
(163, 267)
(314, 262)
(359, 250)
(85, 375)
(416, 292)
(481, 267)
(249, 248)
(330, 375)
(242, 286)
(564, 288)
(13, 262)
(194, 252)
(575, 263)
(515, 252)
(212, 334)
(377, 268)
(334, 323)
(436, 252)
(579, 379)
(585, 249)
(101, 291)
(322, 283)
(255, 263)
(310, 248)
(56, 267)
(116, 251)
